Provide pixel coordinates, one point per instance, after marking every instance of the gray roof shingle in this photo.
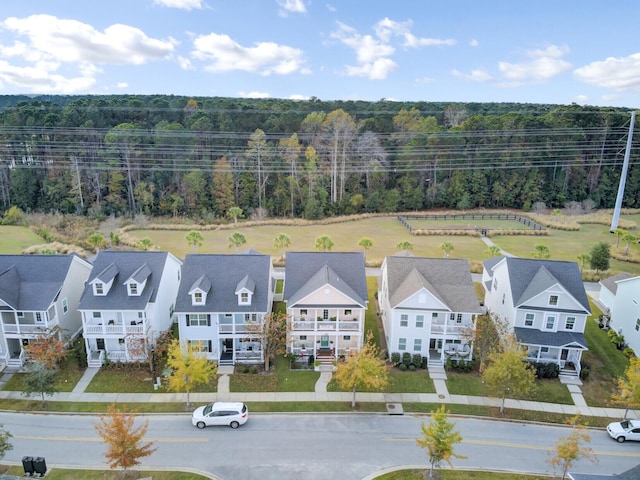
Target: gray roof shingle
(447, 279)
(121, 266)
(32, 282)
(530, 277)
(219, 275)
(305, 272)
(611, 283)
(532, 336)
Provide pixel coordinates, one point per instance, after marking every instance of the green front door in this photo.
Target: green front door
(324, 341)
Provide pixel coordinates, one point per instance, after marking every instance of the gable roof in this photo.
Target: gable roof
(532, 336)
(220, 275)
(529, 277)
(122, 266)
(247, 283)
(306, 272)
(611, 283)
(32, 282)
(447, 279)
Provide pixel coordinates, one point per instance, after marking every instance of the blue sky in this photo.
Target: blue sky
(557, 52)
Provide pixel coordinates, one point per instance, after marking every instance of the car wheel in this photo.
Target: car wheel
(201, 425)
(620, 439)
(234, 424)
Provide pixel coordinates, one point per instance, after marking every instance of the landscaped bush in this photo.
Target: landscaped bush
(416, 360)
(585, 370)
(546, 369)
(412, 367)
(395, 358)
(402, 366)
(462, 366)
(406, 358)
(424, 363)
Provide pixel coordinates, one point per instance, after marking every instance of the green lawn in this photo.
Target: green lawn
(459, 475)
(283, 379)
(68, 377)
(406, 381)
(15, 239)
(546, 390)
(78, 474)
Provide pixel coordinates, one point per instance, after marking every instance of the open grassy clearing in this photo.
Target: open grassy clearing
(14, 239)
(78, 474)
(466, 223)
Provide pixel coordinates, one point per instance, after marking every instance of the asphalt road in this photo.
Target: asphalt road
(309, 446)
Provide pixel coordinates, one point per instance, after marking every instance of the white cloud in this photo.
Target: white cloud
(53, 43)
(298, 96)
(473, 42)
(122, 85)
(543, 65)
(387, 28)
(331, 8)
(185, 63)
(264, 58)
(372, 55)
(581, 99)
(254, 95)
(181, 4)
(476, 75)
(291, 6)
(619, 74)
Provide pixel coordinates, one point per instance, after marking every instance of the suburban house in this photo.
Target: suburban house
(621, 295)
(128, 301)
(222, 302)
(545, 303)
(39, 295)
(428, 306)
(326, 298)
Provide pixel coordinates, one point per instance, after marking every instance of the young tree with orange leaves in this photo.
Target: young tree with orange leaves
(570, 448)
(46, 349)
(123, 439)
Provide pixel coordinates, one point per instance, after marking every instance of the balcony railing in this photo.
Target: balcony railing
(23, 328)
(113, 329)
(450, 328)
(326, 326)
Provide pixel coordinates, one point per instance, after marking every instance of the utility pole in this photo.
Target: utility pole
(623, 176)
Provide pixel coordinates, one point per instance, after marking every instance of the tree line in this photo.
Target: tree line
(200, 157)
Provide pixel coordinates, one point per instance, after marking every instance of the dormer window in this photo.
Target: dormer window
(133, 288)
(244, 298)
(198, 298)
(98, 288)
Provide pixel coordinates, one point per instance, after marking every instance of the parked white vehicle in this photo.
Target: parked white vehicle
(625, 430)
(233, 414)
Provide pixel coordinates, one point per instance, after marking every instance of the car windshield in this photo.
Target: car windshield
(207, 409)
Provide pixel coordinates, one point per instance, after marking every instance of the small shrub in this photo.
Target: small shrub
(585, 370)
(406, 358)
(629, 353)
(412, 367)
(402, 366)
(395, 358)
(416, 359)
(546, 370)
(425, 362)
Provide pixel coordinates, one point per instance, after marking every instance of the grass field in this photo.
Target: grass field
(15, 239)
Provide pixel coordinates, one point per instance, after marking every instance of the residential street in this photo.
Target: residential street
(311, 446)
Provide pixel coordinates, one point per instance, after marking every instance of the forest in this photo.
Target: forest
(198, 157)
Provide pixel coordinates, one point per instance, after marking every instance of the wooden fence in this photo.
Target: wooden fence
(527, 222)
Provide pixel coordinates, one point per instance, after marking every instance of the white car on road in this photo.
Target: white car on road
(233, 414)
(625, 430)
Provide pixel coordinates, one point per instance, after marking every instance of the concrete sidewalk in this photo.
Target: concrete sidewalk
(438, 376)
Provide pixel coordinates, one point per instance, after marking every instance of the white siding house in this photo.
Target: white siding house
(624, 308)
(39, 295)
(127, 303)
(221, 300)
(326, 297)
(428, 307)
(545, 305)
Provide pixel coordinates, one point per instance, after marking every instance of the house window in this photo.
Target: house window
(303, 312)
(197, 297)
(347, 337)
(98, 288)
(417, 344)
(402, 344)
(550, 323)
(133, 288)
(404, 320)
(419, 321)
(121, 341)
(303, 337)
(459, 318)
(65, 305)
(570, 323)
(325, 314)
(38, 317)
(528, 319)
(452, 317)
(244, 297)
(20, 314)
(637, 324)
(347, 312)
(495, 283)
(434, 315)
(503, 297)
(97, 315)
(544, 349)
(197, 320)
(553, 300)
(200, 346)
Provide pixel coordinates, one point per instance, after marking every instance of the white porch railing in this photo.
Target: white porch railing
(449, 328)
(23, 328)
(119, 329)
(326, 326)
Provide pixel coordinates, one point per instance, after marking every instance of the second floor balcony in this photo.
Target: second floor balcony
(299, 325)
(115, 328)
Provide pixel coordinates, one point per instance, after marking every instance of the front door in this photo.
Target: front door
(100, 343)
(324, 341)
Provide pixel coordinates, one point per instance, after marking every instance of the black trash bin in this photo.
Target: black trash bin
(27, 464)
(39, 465)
